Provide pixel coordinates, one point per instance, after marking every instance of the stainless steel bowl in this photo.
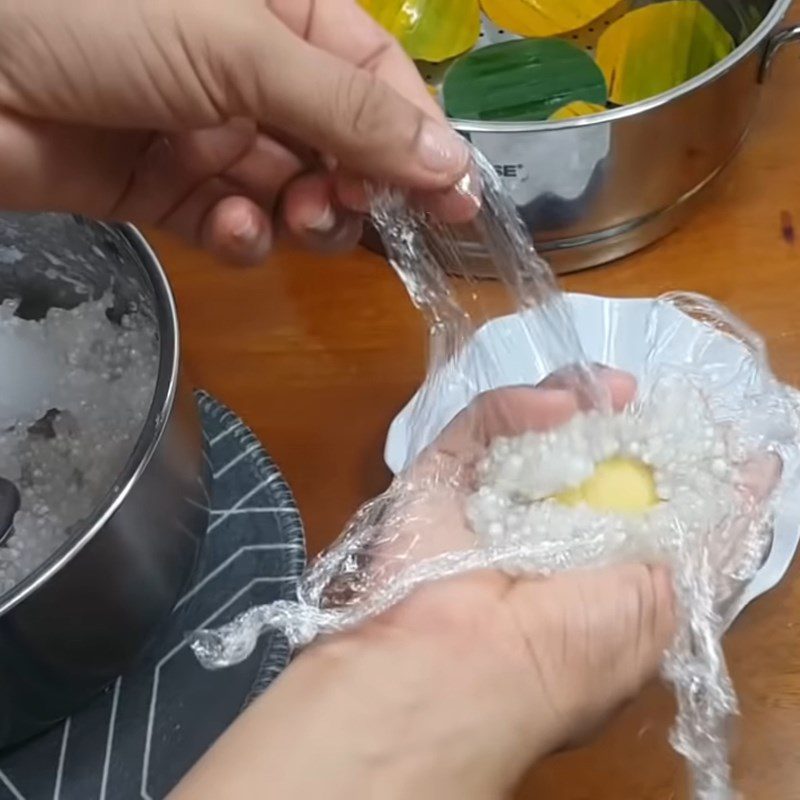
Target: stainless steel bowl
(596, 188)
(88, 612)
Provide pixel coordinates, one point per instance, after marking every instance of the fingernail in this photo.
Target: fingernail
(441, 149)
(469, 185)
(245, 229)
(252, 241)
(324, 223)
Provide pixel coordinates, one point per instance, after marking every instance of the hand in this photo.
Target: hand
(507, 669)
(218, 120)
(457, 690)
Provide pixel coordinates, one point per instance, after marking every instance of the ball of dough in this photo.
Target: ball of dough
(622, 485)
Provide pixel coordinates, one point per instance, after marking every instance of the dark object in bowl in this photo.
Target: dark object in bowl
(9, 505)
(85, 615)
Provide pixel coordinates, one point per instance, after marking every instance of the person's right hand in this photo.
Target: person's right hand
(221, 121)
(456, 690)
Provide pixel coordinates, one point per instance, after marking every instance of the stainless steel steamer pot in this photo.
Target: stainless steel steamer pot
(596, 188)
(87, 613)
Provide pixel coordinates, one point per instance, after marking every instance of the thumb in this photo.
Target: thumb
(346, 112)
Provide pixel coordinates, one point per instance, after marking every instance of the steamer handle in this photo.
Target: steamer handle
(775, 43)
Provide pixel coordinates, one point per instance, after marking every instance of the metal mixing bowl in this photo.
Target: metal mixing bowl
(86, 614)
(596, 188)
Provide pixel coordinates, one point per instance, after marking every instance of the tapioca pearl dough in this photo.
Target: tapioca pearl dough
(103, 392)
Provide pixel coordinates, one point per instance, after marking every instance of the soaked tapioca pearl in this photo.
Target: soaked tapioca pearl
(671, 433)
(92, 391)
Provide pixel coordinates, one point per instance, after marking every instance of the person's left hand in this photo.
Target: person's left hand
(228, 123)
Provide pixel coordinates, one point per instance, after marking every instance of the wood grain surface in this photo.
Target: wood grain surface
(318, 354)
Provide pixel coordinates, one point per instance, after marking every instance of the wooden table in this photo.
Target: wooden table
(318, 355)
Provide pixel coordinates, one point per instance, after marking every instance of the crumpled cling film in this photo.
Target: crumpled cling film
(707, 450)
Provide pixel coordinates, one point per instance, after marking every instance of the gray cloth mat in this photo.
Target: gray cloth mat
(138, 739)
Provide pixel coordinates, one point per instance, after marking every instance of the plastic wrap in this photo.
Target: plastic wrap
(496, 479)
